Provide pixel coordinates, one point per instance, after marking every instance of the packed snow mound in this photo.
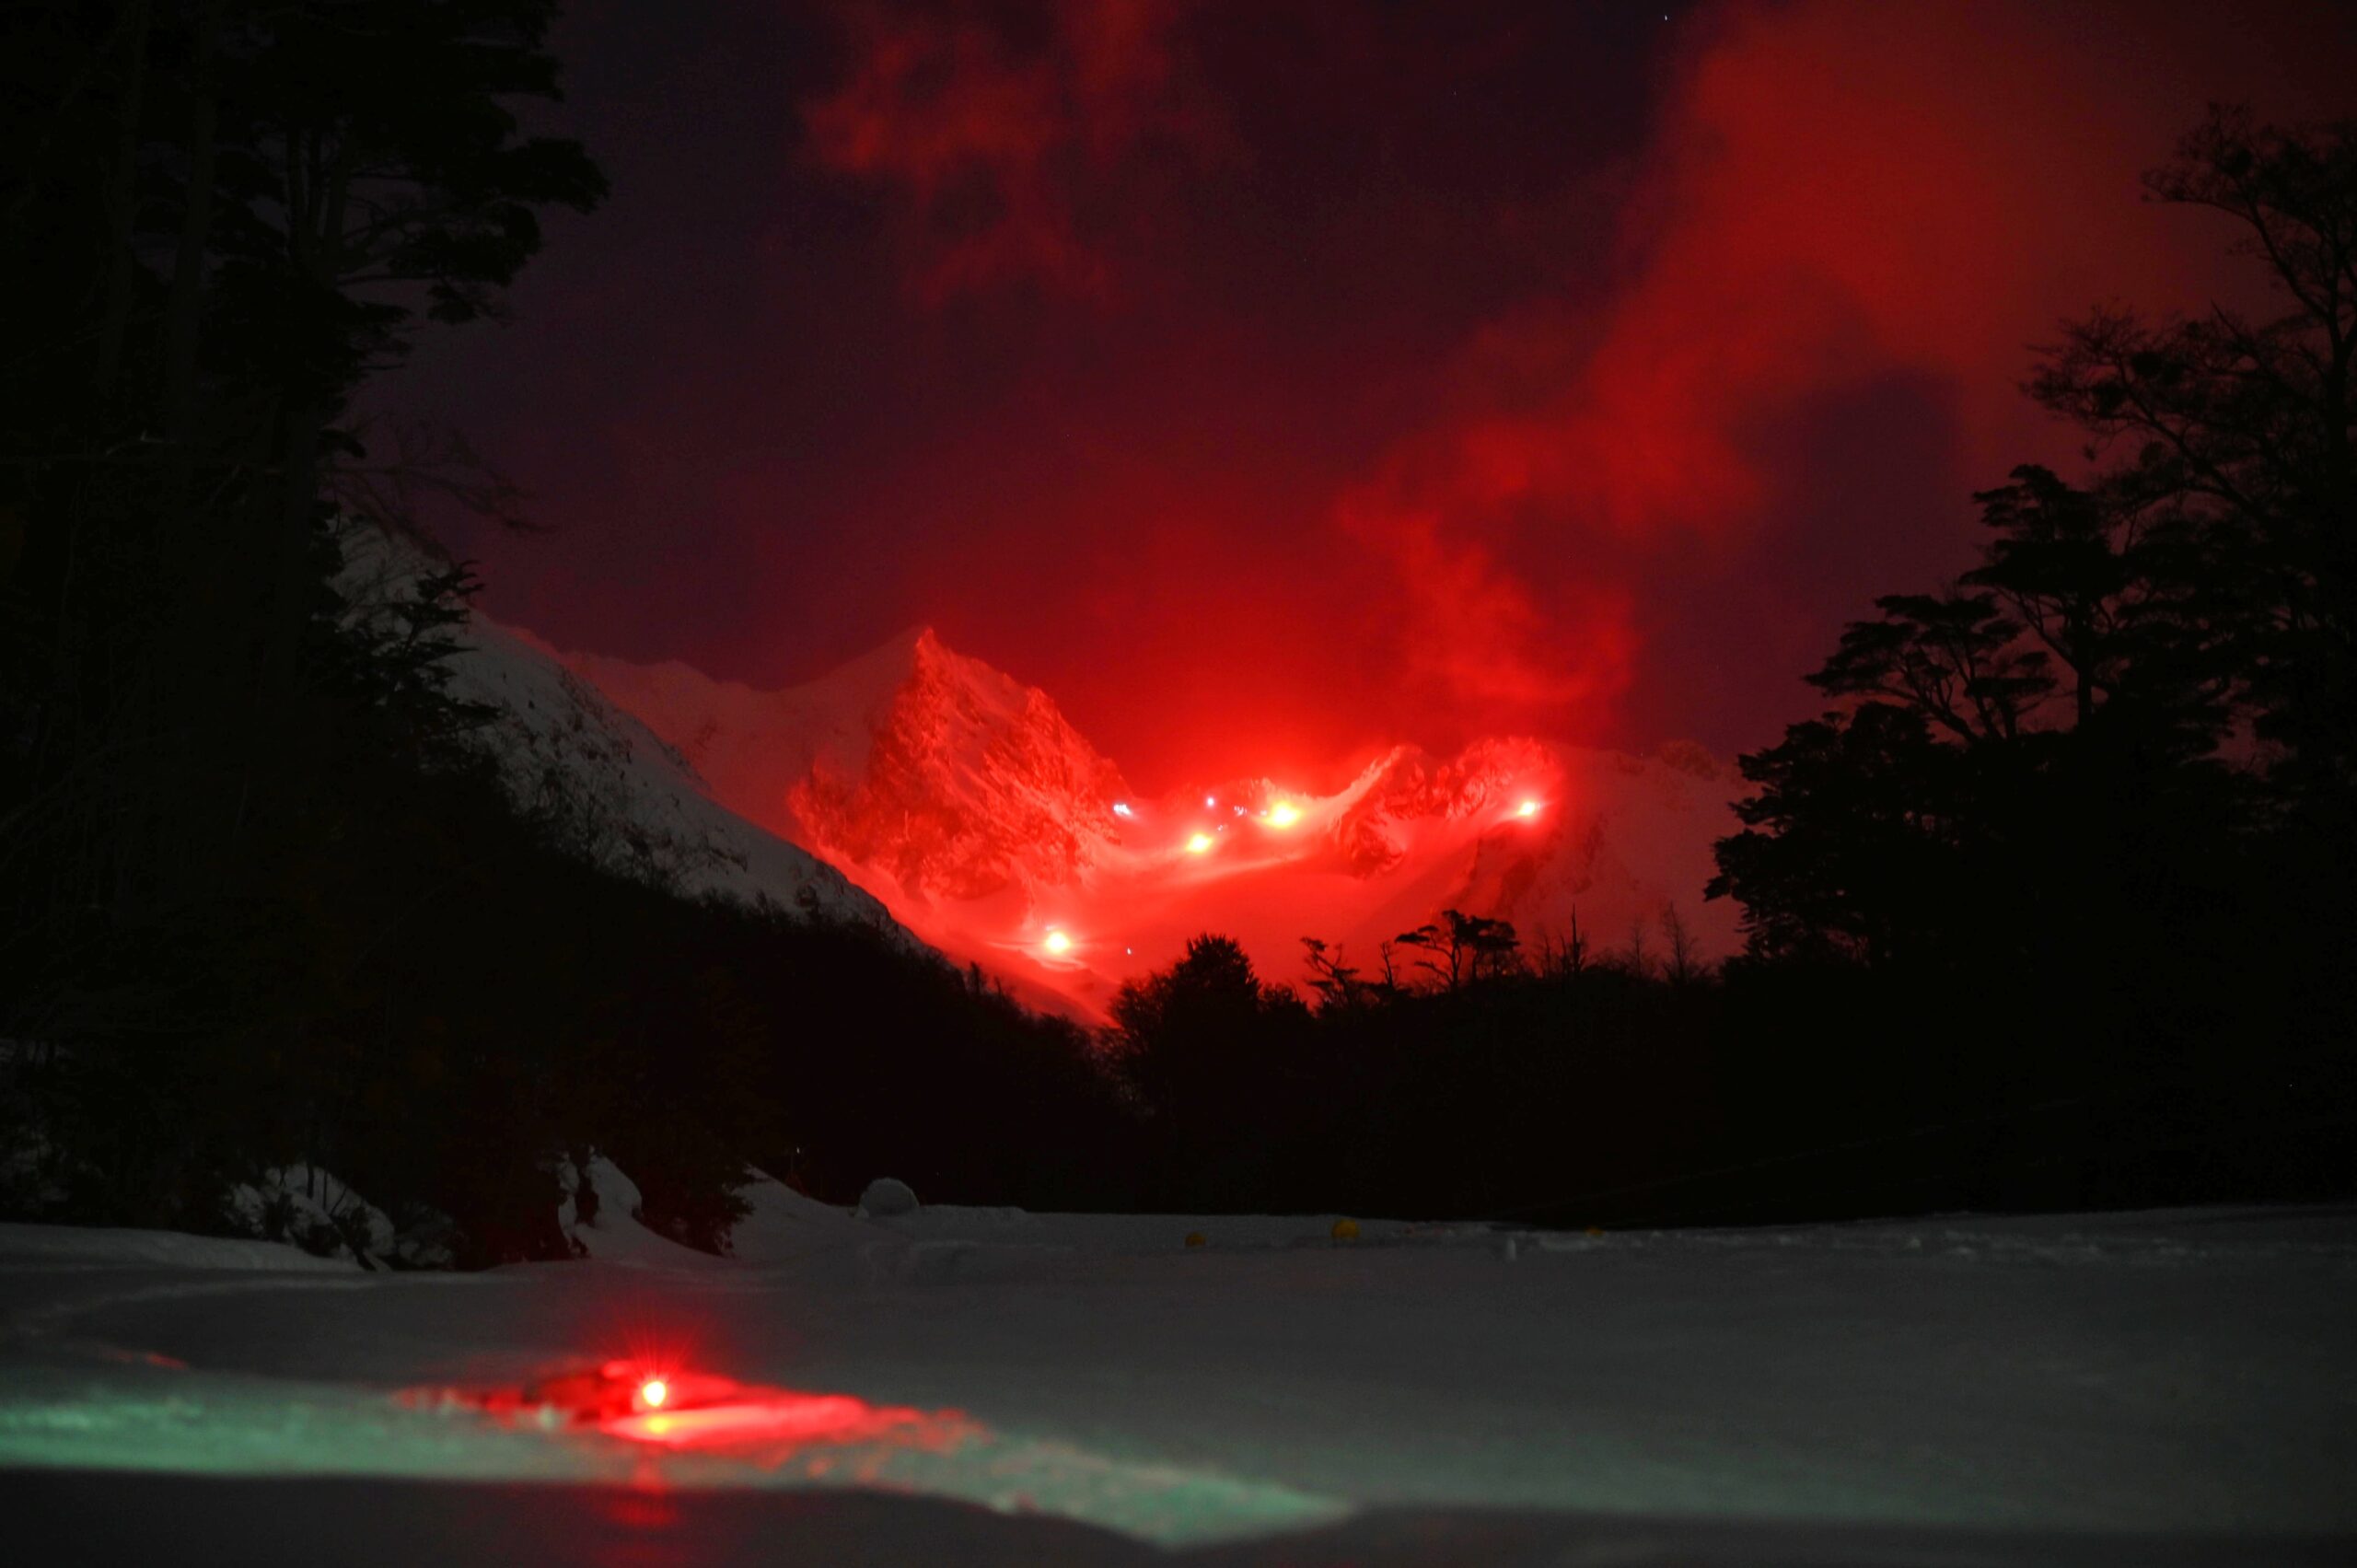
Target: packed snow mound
(313, 1209)
(971, 807)
(781, 1224)
(886, 1199)
(622, 797)
(599, 1216)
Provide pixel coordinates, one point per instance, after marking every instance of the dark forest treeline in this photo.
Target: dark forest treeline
(262, 900)
(1564, 1088)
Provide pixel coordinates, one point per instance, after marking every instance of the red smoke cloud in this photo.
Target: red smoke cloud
(1272, 382)
(1835, 193)
(998, 148)
(1473, 630)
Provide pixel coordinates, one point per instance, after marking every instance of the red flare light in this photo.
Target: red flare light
(1056, 942)
(1199, 843)
(1284, 815)
(1527, 808)
(689, 1410)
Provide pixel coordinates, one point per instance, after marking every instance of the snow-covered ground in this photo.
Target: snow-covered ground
(2132, 1389)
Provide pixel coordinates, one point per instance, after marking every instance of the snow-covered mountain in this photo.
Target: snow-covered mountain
(988, 824)
(625, 798)
(954, 778)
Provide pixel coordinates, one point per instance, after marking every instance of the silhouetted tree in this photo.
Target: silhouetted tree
(2234, 429)
(1183, 1027)
(1682, 964)
(1338, 985)
(1954, 657)
(1563, 957)
(1460, 947)
(1853, 837)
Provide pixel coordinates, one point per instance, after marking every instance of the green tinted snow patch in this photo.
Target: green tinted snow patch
(196, 1423)
(199, 1424)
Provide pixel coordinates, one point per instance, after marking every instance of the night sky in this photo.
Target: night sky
(1270, 382)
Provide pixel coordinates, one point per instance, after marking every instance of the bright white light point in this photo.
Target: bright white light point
(1057, 942)
(1527, 808)
(1282, 815)
(1211, 800)
(653, 1392)
(1121, 808)
(1199, 843)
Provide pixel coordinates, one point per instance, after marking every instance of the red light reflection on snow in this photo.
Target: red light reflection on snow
(772, 1415)
(647, 1508)
(687, 1411)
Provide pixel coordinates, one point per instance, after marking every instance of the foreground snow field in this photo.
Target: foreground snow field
(2134, 1389)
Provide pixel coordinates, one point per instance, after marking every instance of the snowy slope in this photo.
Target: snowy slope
(954, 778)
(2153, 1389)
(634, 804)
(989, 824)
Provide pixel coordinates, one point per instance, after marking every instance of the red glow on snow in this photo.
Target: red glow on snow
(982, 819)
(698, 1410)
(774, 1416)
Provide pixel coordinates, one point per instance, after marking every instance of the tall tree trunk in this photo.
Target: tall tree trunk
(315, 237)
(187, 305)
(184, 670)
(122, 194)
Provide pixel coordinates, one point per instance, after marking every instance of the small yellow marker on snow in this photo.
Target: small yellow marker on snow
(1197, 1238)
(1596, 1230)
(1346, 1230)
